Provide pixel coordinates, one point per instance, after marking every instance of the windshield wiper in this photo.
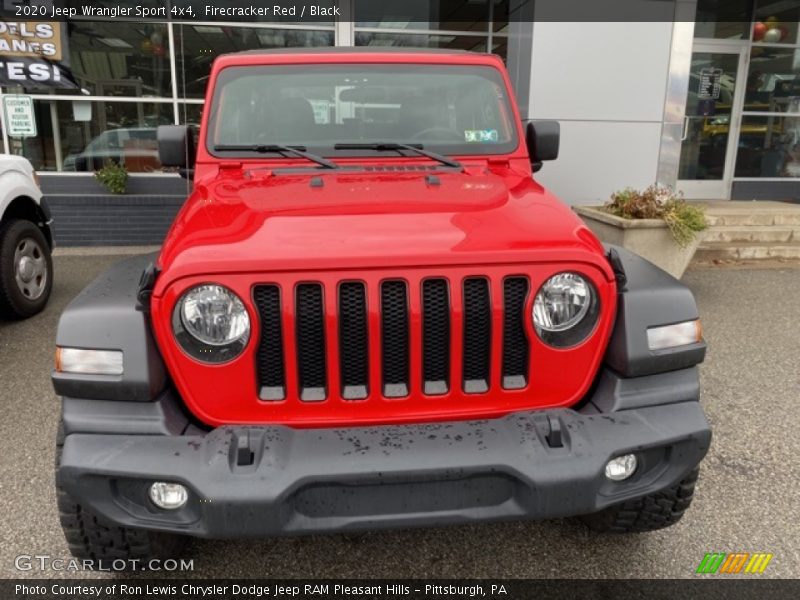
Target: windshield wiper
(388, 146)
(267, 148)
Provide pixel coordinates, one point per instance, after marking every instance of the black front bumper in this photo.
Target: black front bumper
(257, 481)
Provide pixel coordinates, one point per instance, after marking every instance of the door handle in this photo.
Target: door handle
(685, 130)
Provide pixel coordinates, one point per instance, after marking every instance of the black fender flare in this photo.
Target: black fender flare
(648, 297)
(107, 315)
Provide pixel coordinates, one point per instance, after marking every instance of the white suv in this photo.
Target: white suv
(26, 241)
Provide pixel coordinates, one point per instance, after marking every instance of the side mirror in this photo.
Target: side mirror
(542, 139)
(176, 147)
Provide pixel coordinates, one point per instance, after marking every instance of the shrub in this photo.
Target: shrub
(113, 176)
(660, 202)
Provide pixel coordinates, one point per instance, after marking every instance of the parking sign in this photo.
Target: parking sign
(19, 118)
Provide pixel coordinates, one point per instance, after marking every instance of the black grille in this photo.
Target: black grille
(394, 338)
(353, 345)
(515, 341)
(435, 336)
(310, 328)
(477, 335)
(271, 371)
(437, 350)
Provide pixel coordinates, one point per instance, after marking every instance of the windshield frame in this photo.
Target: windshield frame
(476, 149)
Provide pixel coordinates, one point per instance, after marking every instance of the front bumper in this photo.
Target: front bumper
(258, 481)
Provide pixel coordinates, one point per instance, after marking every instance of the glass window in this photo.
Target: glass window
(198, 45)
(455, 15)
(709, 102)
(723, 19)
(453, 42)
(720, 68)
(124, 132)
(120, 59)
(190, 114)
(458, 110)
(500, 11)
(40, 150)
(500, 47)
(769, 146)
(776, 22)
(773, 80)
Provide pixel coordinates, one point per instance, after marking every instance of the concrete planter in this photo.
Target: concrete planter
(649, 238)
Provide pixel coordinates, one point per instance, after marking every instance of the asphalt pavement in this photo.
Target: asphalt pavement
(748, 497)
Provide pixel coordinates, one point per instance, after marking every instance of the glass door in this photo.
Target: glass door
(711, 123)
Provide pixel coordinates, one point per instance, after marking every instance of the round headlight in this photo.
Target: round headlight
(565, 310)
(211, 323)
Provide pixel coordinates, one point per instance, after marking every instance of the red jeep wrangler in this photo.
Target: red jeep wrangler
(369, 314)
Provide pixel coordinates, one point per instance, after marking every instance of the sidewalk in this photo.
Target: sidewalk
(104, 250)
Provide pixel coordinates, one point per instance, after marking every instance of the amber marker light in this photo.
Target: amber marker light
(88, 362)
(673, 336)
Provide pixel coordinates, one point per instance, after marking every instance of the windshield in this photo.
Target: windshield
(446, 109)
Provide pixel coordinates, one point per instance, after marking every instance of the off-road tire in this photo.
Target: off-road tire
(13, 303)
(90, 536)
(648, 513)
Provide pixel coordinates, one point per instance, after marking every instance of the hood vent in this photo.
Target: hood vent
(417, 168)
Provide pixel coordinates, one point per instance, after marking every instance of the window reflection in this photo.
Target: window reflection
(500, 13)
(124, 132)
(453, 42)
(723, 20)
(773, 79)
(455, 15)
(120, 59)
(190, 114)
(769, 146)
(198, 45)
(776, 22)
(709, 102)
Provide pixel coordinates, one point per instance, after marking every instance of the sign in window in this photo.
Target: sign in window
(19, 118)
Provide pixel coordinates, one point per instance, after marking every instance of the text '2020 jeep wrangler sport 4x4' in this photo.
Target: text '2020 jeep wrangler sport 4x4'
(368, 314)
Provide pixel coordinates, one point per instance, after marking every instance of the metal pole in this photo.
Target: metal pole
(56, 135)
(3, 116)
(490, 23)
(174, 73)
(345, 27)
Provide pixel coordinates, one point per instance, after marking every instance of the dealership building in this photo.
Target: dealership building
(702, 95)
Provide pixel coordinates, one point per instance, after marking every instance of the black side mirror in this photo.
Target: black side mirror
(176, 148)
(542, 138)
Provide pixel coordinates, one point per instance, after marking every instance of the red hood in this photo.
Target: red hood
(257, 221)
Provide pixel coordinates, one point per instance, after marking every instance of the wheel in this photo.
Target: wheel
(648, 513)
(90, 536)
(26, 269)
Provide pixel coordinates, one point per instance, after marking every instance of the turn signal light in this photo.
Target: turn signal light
(88, 362)
(672, 336)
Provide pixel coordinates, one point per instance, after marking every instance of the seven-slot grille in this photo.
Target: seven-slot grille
(449, 334)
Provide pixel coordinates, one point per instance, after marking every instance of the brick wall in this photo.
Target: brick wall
(129, 220)
(85, 214)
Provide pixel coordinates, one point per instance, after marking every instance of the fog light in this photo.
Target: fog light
(169, 496)
(622, 467)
